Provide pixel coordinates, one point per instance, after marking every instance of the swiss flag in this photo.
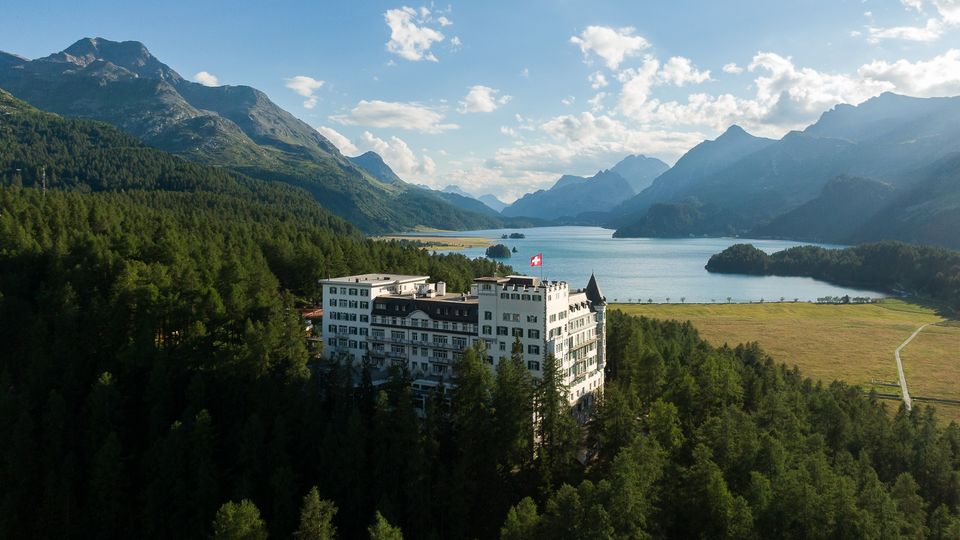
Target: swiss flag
(537, 260)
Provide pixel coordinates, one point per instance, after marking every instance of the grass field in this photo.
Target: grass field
(441, 242)
(853, 343)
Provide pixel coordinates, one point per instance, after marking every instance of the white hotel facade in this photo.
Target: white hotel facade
(390, 318)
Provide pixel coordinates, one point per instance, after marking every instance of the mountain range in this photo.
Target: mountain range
(886, 168)
(237, 127)
(827, 182)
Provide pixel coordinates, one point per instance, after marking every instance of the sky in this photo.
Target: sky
(503, 97)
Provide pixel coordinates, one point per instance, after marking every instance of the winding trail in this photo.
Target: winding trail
(903, 379)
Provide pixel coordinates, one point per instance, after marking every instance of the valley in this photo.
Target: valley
(851, 343)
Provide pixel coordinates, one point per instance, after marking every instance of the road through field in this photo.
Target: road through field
(903, 379)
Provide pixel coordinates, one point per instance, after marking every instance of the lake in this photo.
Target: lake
(662, 269)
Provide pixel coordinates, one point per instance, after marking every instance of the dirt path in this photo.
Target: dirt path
(903, 379)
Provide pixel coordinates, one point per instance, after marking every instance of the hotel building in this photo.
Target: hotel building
(389, 318)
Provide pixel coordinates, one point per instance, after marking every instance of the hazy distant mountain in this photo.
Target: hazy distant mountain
(456, 189)
(571, 196)
(640, 171)
(698, 163)
(842, 207)
(374, 164)
(742, 182)
(231, 126)
(493, 202)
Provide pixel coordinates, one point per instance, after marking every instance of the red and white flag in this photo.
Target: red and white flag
(537, 260)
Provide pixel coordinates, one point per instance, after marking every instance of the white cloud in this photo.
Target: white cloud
(455, 43)
(482, 99)
(680, 71)
(732, 68)
(637, 84)
(786, 97)
(444, 21)
(913, 4)
(525, 73)
(568, 101)
(949, 10)
(397, 154)
(508, 131)
(387, 114)
(583, 143)
(597, 80)
(930, 32)
(612, 45)
(596, 102)
(206, 78)
(339, 140)
(939, 76)
(306, 87)
(410, 35)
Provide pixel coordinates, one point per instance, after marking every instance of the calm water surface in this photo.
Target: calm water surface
(638, 269)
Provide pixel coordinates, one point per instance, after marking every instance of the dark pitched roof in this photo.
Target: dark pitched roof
(593, 291)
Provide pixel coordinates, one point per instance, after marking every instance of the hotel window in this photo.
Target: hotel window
(364, 292)
(364, 318)
(423, 336)
(397, 349)
(364, 331)
(378, 347)
(333, 290)
(333, 302)
(515, 296)
(396, 335)
(353, 344)
(436, 325)
(486, 286)
(379, 305)
(515, 317)
(353, 330)
(533, 334)
(446, 325)
(504, 296)
(533, 365)
(531, 318)
(506, 316)
(343, 290)
(353, 292)
(439, 340)
(440, 353)
(525, 297)
(487, 329)
(503, 346)
(363, 345)
(332, 328)
(502, 331)
(517, 332)
(537, 298)
(424, 323)
(332, 342)
(353, 304)
(459, 343)
(378, 332)
(342, 330)
(487, 315)
(533, 349)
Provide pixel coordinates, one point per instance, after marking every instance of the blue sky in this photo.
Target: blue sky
(503, 97)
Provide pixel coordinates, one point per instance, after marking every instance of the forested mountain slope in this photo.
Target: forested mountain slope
(237, 127)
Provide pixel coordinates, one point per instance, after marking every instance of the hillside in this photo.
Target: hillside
(841, 209)
(231, 126)
(929, 213)
(572, 195)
